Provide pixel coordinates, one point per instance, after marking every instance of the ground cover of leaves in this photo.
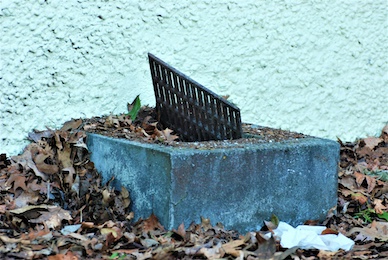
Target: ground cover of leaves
(53, 205)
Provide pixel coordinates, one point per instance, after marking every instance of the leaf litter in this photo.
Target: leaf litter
(53, 204)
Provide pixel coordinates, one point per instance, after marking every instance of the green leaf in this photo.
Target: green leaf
(114, 256)
(383, 216)
(275, 220)
(134, 108)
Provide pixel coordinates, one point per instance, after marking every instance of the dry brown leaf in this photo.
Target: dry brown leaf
(360, 198)
(205, 223)
(379, 207)
(24, 209)
(371, 181)
(372, 142)
(37, 135)
(86, 225)
(348, 182)
(3, 209)
(213, 252)
(329, 231)
(359, 178)
(71, 125)
(181, 231)
(69, 174)
(231, 247)
(376, 230)
(168, 136)
(53, 217)
(64, 156)
(68, 256)
(152, 223)
(35, 186)
(39, 160)
(26, 198)
(267, 249)
(326, 254)
(115, 231)
(384, 133)
(17, 181)
(36, 233)
(25, 160)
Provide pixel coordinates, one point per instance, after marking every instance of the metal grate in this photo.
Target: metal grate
(193, 111)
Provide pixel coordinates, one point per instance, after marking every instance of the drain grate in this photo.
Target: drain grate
(193, 111)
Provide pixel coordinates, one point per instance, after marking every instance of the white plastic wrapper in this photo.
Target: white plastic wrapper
(309, 237)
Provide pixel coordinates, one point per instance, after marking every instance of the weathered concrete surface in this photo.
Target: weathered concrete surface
(239, 187)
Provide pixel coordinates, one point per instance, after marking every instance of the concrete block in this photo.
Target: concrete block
(238, 186)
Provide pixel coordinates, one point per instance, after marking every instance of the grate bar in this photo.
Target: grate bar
(193, 111)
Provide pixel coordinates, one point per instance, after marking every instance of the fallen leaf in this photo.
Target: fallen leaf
(152, 223)
(70, 229)
(205, 223)
(181, 231)
(329, 231)
(17, 181)
(360, 198)
(232, 247)
(68, 256)
(371, 182)
(384, 133)
(379, 207)
(376, 230)
(26, 198)
(372, 142)
(36, 135)
(53, 217)
(71, 125)
(326, 254)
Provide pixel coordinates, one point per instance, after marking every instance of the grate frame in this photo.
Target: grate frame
(194, 112)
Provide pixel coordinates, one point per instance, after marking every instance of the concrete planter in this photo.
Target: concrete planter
(237, 186)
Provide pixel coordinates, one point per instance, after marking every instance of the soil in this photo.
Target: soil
(143, 128)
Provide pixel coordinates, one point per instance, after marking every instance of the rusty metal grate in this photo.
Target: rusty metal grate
(193, 111)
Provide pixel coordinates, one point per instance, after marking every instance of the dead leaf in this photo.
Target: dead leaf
(152, 223)
(71, 125)
(376, 230)
(212, 253)
(26, 198)
(17, 181)
(384, 134)
(64, 156)
(69, 174)
(53, 217)
(326, 254)
(68, 256)
(267, 249)
(233, 247)
(205, 223)
(168, 136)
(27, 163)
(372, 142)
(115, 231)
(329, 231)
(371, 182)
(181, 231)
(360, 198)
(36, 135)
(379, 207)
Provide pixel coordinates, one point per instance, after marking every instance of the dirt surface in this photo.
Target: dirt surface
(146, 129)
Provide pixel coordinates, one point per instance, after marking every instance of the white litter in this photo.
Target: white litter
(309, 237)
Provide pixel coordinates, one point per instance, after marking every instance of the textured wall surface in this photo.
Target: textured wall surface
(317, 67)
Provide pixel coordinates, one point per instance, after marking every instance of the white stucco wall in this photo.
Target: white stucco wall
(317, 67)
